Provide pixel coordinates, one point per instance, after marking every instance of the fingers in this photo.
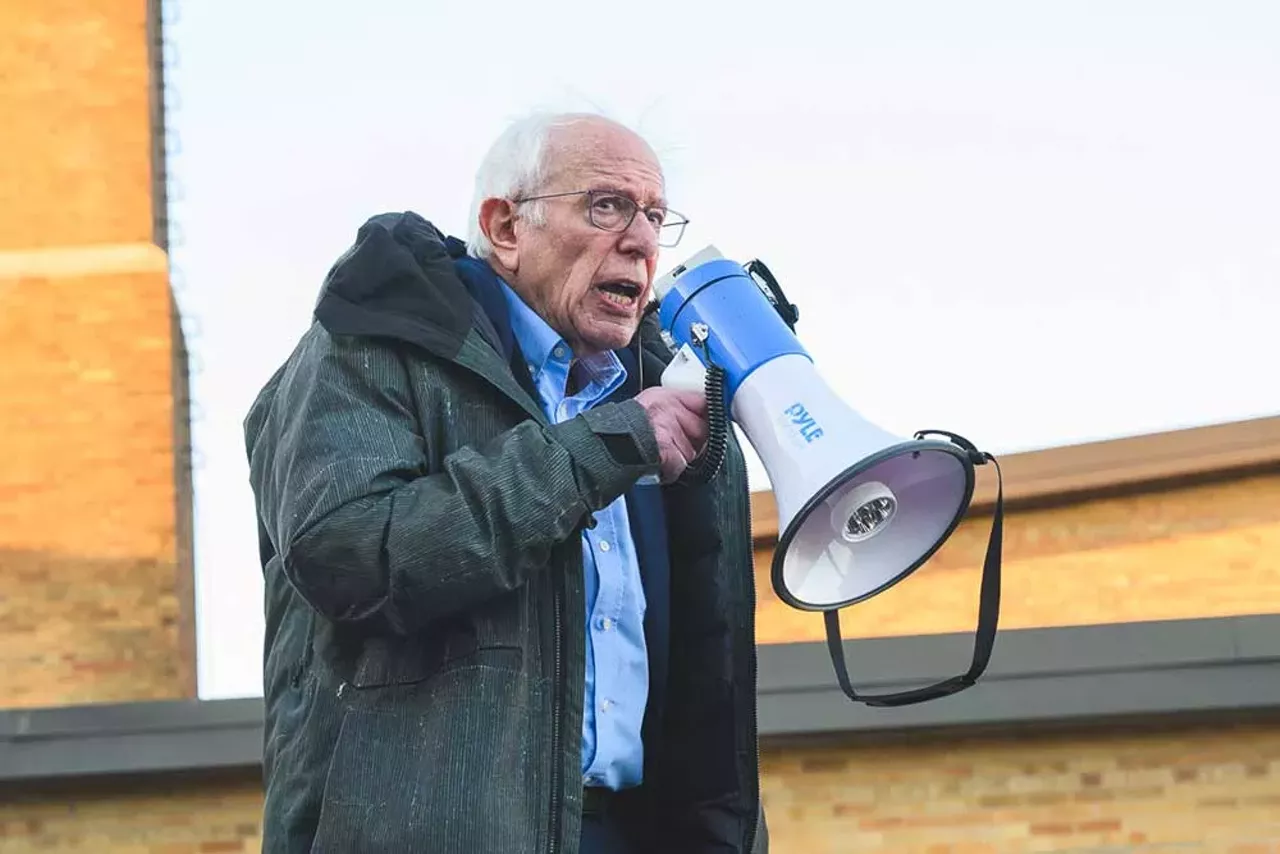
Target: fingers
(681, 442)
(690, 411)
(680, 426)
(660, 398)
(693, 427)
(673, 464)
(674, 448)
(692, 401)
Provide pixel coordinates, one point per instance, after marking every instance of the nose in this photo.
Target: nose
(640, 240)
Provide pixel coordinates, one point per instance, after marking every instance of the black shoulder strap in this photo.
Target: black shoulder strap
(988, 619)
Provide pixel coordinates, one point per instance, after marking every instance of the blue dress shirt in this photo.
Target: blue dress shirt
(617, 664)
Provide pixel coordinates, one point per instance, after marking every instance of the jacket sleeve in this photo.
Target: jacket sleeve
(367, 534)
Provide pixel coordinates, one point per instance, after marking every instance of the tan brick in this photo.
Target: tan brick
(1203, 551)
(88, 544)
(1019, 795)
(190, 817)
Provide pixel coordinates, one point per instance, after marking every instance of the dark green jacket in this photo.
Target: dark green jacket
(420, 526)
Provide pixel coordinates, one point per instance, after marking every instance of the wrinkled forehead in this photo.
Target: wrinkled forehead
(601, 156)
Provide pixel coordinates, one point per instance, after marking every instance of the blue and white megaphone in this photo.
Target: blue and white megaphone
(859, 509)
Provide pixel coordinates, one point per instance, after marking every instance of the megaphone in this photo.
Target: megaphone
(859, 508)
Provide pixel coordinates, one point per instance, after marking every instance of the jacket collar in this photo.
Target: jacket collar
(404, 280)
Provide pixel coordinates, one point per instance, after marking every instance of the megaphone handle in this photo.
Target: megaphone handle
(984, 642)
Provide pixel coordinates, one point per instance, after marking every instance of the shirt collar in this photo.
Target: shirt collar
(543, 347)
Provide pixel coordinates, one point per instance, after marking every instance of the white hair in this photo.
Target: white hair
(516, 164)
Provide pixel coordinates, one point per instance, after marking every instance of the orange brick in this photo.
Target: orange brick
(74, 94)
(87, 492)
(95, 608)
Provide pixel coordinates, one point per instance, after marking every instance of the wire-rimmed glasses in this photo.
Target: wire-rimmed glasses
(612, 211)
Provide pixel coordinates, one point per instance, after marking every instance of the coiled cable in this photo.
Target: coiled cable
(707, 464)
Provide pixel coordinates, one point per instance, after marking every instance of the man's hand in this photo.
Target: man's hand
(679, 419)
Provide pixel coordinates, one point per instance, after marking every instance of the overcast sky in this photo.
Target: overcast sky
(1032, 223)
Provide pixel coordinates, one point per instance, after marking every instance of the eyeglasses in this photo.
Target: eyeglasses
(611, 211)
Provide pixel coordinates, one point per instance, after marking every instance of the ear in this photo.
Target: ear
(498, 222)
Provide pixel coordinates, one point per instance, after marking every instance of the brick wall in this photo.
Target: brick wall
(1208, 789)
(1200, 551)
(217, 814)
(74, 94)
(90, 610)
(96, 604)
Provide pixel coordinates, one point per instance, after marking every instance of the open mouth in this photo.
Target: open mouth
(623, 294)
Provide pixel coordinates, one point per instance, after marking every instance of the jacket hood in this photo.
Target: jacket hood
(404, 279)
(398, 280)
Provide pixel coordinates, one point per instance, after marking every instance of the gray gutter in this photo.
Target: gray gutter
(1037, 678)
(130, 738)
(1220, 669)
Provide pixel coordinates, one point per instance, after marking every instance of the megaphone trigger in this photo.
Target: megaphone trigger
(685, 371)
(859, 508)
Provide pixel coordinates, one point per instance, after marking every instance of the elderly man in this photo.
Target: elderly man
(489, 629)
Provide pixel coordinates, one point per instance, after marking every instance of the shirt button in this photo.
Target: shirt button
(559, 352)
(606, 704)
(605, 623)
(604, 545)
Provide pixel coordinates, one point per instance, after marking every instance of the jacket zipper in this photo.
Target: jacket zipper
(557, 763)
(558, 596)
(557, 785)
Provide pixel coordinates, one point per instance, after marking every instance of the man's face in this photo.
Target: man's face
(588, 284)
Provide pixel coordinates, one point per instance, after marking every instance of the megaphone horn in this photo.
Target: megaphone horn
(859, 508)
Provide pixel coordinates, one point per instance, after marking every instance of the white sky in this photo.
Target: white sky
(1032, 223)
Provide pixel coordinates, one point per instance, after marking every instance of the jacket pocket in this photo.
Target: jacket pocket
(459, 763)
(388, 661)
